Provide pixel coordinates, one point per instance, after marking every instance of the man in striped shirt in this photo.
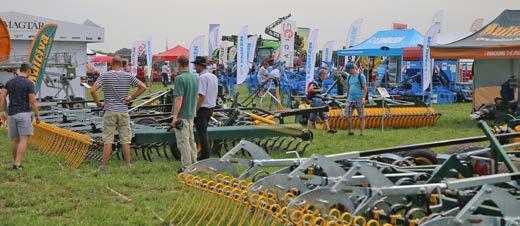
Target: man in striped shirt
(116, 86)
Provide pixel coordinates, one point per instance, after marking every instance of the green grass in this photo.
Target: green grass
(47, 193)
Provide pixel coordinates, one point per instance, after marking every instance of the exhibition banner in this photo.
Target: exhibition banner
(196, 49)
(311, 57)
(242, 66)
(39, 53)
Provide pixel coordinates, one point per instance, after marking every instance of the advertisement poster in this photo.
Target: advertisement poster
(288, 30)
(242, 64)
(196, 49)
(311, 57)
(39, 53)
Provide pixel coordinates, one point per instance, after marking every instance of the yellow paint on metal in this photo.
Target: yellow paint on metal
(61, 142)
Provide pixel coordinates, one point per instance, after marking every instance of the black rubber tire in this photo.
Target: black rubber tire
(421, 156)
(462, 148)
(146, 121)
(77, 105)
(175, 152)
(503, 169)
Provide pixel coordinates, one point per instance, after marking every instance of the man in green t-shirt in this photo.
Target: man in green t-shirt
(185, 93)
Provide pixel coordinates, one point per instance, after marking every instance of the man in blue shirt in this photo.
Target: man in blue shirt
(314, 95)
(356, 96)
(22, 100)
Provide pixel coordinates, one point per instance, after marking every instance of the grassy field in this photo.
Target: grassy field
(47, 193)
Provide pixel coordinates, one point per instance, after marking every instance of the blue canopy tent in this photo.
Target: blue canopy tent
(395, 40)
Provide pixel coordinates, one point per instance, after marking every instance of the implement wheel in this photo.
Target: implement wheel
(463, 148)
(422, 156)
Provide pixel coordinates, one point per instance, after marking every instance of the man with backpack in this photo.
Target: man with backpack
(314, 92)
(357, 91)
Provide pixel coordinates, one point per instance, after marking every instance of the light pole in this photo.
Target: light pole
(385, 51)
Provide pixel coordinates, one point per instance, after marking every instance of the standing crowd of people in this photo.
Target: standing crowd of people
(195, 97)
(357, 94)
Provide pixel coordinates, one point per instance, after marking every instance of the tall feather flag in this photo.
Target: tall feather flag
(196, 49)
(39, 53)
(326, 52)
(353, 32)
(242, 67)
(427, 61)
(311, 57)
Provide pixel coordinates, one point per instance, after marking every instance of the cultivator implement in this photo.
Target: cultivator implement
(379, 187)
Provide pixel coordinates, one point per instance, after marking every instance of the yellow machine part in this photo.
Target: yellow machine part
(398, 117)
(224, 200)
(61, 142)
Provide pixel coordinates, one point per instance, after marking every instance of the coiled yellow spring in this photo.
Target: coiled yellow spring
(401, 117)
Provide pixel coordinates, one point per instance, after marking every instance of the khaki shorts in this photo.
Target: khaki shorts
(117, 121)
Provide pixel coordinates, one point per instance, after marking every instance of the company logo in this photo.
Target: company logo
(27, 25)
(39, 57)
(288, 31)
(387, 40)
(496, 30)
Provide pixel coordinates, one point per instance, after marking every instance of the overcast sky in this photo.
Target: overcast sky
(181, 21)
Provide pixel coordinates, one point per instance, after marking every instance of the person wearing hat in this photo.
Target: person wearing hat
(356, 96)
(206, 102)
(185, 102)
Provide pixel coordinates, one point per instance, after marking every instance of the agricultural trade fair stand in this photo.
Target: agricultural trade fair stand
(171, 54)
(388, 43)
(496, 50)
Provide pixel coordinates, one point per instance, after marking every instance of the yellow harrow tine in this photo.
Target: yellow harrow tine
(70, 145)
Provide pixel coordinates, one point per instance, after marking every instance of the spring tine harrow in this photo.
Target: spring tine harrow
(61, 142)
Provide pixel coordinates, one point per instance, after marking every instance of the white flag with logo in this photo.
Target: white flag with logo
(427, 61)
(437, 19)
(288, 30)
(214, 39)
(223, 53)
(251, 48)
(149, 58)
(242, 67)
(138, 49)
(196, 49)
(311, 58)
(326, 52)
(353, 32)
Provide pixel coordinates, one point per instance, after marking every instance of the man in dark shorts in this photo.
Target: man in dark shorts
(314, 96)
(22, 100)
(356, 97)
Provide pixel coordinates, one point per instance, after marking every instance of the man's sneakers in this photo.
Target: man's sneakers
(332, 131)
(17, 168)
(102, 169)
(350, 134)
